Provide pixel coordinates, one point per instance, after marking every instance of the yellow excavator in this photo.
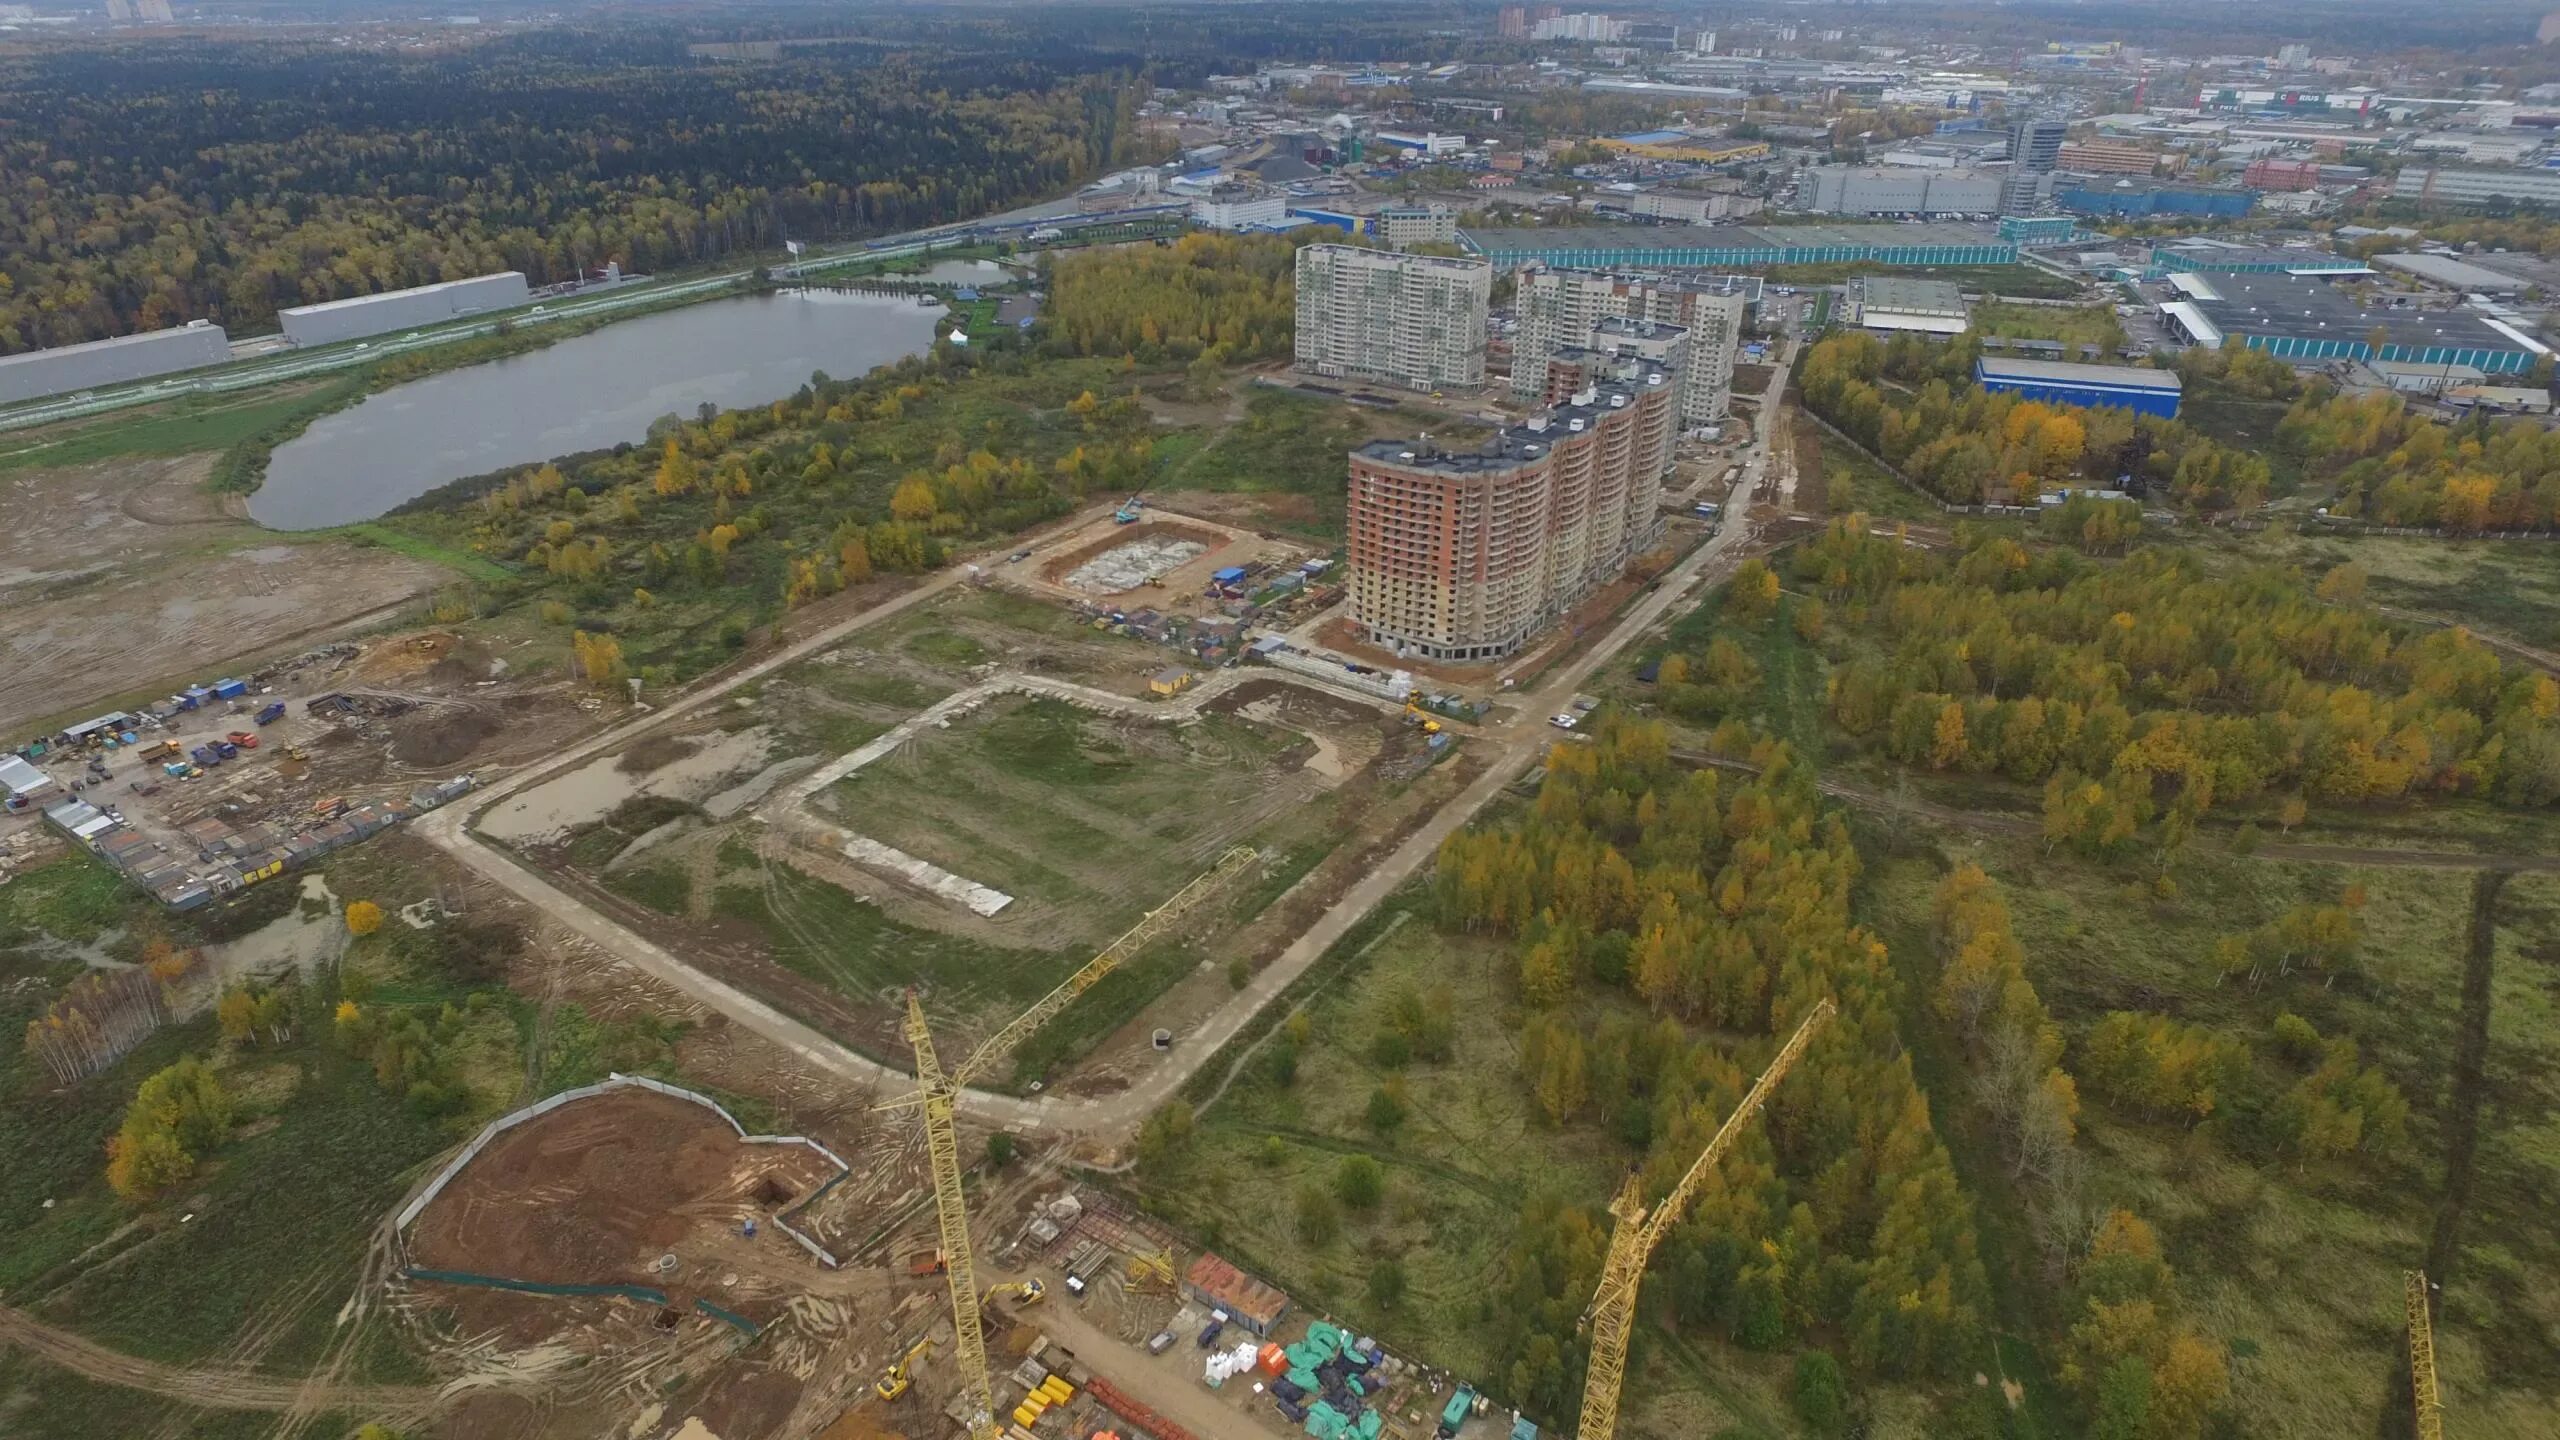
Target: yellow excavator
(893, 1381)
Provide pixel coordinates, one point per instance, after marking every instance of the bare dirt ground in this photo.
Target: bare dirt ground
(596, 1191)
(123, 575)
(230, 1391)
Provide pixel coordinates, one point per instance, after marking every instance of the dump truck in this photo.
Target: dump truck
(226, 749)
(165, 750)
(272, 712)
(245, 739)
(205, 756)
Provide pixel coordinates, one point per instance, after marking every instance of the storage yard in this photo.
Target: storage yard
(123, 576)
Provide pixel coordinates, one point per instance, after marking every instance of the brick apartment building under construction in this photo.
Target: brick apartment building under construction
(1559, 308)
(1462, 556)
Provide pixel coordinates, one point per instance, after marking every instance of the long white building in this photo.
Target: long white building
(125, 358)
(1898, 190)
(360, 316)
(1412, 320)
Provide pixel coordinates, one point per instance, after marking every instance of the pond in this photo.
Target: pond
(588, 392)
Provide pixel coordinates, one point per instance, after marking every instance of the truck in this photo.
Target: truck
(226, 749)
(1460, 1405)
(165, 750)
(245, 739)
(271, 712)
(205, 756)
(1209, 1332)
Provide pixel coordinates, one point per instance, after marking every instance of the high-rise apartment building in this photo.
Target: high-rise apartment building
(1411, 320)
(1402, 225)
(1464, 556)
(1558, 308)
(2035, 149)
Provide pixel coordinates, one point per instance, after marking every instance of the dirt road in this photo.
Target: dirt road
(1514, 745)
(206, 1389)
(2020, 827)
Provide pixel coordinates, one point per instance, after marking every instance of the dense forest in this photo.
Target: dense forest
(1222, 297)
(2152, 688)
(150, 184)
(1915, 404)
(1660, 916)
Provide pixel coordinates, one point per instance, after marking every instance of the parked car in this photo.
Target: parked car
(1162, 1342)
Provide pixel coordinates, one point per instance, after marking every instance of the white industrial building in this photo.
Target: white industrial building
(363, 315)
(2428, 185)
(1893, 304)
(119, 361)
(1897, 190)
(1239, 205)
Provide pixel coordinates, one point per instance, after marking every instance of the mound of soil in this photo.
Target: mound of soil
(441, 736)
(657, 752)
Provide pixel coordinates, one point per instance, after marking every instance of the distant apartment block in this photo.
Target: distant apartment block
(1412, 320)
(1464, 556)
(2107, 157)
(1402, 225)
(2281, 175)
(1559, 310)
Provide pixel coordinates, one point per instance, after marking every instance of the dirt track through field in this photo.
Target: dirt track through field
(2019, 827)
(205, 1389)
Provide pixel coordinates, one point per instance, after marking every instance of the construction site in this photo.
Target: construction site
(937, 902)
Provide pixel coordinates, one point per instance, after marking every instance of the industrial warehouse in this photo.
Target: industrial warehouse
(2299, 318)
(66, 368)
(1727, 247)
(361, 316)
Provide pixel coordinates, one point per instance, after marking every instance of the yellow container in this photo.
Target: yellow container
(1024, 1415)
(1056, 1390)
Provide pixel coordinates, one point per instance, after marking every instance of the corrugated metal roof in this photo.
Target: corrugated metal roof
(20, 778)
(2061, 372)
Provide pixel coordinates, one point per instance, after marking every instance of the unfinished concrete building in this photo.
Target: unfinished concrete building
(1412, 320)
(1464, 556)
(1559, 309)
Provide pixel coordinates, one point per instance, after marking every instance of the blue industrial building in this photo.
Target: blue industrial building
(2235, 257)
(2135, 199)
(2299, 318)
(1727, 247)
(1308, 215)
(2038, 229)
(2121, 387)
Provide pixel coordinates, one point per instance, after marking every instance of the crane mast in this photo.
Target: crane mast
(2429, 1419)
(1632, 1242)
(937, 1094)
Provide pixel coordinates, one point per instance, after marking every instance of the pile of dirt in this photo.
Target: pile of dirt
(441, 735)
(657, 752)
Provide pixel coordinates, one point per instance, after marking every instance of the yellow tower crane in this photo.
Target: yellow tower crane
(2422, 1361)
(1631, 1244)
(938, 1094)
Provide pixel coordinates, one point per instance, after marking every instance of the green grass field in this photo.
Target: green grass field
(2081, 325)
(1065, 811)
(1288, 444)
(177, 427)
